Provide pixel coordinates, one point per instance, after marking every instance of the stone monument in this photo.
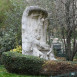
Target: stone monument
(34, 29)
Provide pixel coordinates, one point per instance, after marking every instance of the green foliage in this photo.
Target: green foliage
(22, 64)
(10, 23)
(4, 6)
(4, 73)
(6, 43)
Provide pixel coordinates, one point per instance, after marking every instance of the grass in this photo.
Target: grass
(4, 73)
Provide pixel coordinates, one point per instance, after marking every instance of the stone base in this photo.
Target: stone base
(46, 54)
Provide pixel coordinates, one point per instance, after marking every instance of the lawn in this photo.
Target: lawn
(4, 73)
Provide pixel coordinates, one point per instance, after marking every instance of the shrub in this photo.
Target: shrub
(58, 67)
(22, 64)
(17, 49)
(7, 42)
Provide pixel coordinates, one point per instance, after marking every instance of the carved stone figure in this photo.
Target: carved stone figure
(34, 29)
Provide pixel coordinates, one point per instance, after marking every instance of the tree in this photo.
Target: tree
(69, 27)
(10, 25)
(71, 49)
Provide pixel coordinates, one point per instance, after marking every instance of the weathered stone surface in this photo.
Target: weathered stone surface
(34, 29)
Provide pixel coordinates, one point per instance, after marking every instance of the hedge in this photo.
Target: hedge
(58, 67)
(22, 64)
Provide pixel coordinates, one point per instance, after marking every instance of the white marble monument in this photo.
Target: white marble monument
(34, 29)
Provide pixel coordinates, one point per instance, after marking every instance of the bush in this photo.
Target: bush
(22, 64)
(58, 67)
(17, 49)
(7, 42)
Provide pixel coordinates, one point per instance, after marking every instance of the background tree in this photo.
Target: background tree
(10, 25)
(68, 22)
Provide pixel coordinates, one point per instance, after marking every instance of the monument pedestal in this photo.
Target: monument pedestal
(48, 55)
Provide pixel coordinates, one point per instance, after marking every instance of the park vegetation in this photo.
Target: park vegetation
(17, 63)
(63, 25)
(62, 16)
